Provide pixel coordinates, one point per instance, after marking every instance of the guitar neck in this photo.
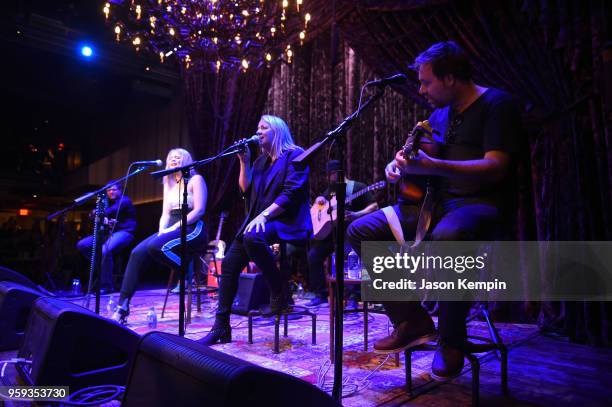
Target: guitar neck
(218, 235)
(357, 194)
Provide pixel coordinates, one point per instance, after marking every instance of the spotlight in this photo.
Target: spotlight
(86, 51)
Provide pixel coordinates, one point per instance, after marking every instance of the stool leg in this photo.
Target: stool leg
(250, 329)
(475, 379)
(276, 334)
(189, 302)
(170, 279)
(493, 332)
(397, 361)
(504, 370)
(365, 326)
(285, 326)
(332, 318)
(408, 363)
(314, 328)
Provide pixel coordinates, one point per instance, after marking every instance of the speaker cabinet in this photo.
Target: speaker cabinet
(252, 293)
(169, 370)
(15, 304)
(7, 274)
(72, 346)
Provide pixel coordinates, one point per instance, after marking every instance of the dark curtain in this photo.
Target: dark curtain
(551, 57)
(222, 108)
(316, 92)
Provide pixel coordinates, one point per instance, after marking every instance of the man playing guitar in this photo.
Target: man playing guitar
(474, 197)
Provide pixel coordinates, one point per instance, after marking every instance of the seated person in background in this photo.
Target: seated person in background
(323, 244)
(165, 246)
(120, 217)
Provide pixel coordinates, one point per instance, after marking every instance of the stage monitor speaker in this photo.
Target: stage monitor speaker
(169, 370)
(252, 293)
(11, 275)
(15, 304)
(72, 346)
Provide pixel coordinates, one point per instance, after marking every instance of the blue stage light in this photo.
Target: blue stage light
(86, 51)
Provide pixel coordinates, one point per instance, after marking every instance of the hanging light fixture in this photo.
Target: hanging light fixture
(222, 34)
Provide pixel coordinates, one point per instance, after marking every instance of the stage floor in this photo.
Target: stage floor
(542, 371)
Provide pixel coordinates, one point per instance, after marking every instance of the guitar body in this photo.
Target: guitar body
(322, 223)
(323, 215)
(219, 248)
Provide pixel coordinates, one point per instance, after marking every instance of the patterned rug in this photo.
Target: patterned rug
(366, 382)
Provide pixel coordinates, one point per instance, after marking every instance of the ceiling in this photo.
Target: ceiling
(53, 95)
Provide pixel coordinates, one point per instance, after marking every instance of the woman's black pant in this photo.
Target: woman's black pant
(164, 249)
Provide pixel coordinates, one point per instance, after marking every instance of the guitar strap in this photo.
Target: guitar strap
(424, 216)
(394, 224)
(422, 225)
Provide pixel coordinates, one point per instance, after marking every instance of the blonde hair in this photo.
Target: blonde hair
(185, 159)
(282, 140)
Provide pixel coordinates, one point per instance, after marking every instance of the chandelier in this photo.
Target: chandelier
(221, 34)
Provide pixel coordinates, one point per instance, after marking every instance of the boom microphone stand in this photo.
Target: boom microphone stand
(96, 261)
(337, 135)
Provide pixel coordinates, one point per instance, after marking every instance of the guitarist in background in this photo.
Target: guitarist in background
(121, 219)
(321, 248)
(475, 194)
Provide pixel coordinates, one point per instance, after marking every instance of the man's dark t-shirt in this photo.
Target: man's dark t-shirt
(492, 122)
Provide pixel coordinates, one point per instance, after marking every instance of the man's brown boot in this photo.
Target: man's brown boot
(405, 336)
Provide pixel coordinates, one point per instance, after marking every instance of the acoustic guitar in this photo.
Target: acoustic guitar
(324, 215)
(412, 188)
(218, 246)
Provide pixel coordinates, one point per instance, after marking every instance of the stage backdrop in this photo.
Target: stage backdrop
(552, 56)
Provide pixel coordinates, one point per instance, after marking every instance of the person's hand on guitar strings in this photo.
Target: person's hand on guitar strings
(421, 164)
(392, 172)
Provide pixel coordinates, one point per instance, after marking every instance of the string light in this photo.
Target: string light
(221, 34)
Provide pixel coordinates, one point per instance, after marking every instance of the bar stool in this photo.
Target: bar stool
(471, 348)
(294, 310)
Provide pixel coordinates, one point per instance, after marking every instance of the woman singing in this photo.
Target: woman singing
(277, 200)
(165, 245)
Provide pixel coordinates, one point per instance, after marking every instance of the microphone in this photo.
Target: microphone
(155, 163)
(242, 143)
(398, 79)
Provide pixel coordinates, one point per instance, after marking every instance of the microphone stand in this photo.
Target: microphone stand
(96, 260)
(337, 135)
(186, 174)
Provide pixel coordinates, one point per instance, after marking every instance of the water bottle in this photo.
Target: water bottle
(346, 267)
(76, 287)
(354, 268)
(110, 306)
(151, 318)
(300, 291)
